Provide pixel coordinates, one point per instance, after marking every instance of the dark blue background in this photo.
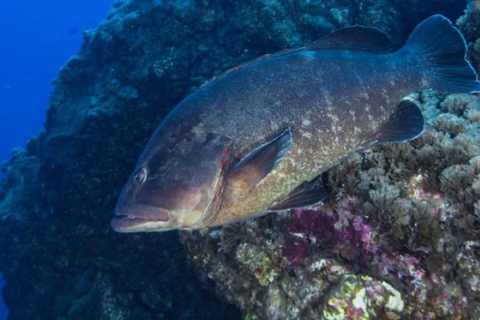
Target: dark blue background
(37, 38)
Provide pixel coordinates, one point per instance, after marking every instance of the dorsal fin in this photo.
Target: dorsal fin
(355, 39)
(351, 38)
(249, 63)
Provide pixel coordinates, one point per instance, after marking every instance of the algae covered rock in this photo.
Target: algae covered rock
(395, 218)
(363, 298)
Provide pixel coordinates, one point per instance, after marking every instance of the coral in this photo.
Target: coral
(469, 25)
(343, 228)
(363, 298)
(393, 222)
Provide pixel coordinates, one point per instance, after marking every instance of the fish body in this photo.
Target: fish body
(256, 140)
(333, 101)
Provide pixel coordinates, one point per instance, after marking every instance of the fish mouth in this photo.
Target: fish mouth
(139, 217)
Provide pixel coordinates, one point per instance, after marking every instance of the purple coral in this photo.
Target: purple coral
(342, 231)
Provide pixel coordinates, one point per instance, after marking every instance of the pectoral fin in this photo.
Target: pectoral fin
(405, 124)
(306, 194)
(261, 161)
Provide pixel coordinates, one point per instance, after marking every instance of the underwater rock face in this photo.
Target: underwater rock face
(385, 230)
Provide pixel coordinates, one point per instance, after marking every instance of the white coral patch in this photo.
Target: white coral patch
(359, 300)
(395, 301)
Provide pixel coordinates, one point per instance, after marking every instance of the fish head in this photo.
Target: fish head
(177, 184)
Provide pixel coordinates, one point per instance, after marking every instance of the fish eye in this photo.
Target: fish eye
(140, 176)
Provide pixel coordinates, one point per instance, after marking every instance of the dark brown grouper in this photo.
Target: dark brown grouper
(255, 140)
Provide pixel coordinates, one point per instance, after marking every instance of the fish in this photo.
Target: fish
(258, 138)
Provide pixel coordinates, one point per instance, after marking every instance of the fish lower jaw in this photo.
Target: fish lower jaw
(128, 224)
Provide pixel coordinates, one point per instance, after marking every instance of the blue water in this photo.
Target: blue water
(3, 308)
(38, 37)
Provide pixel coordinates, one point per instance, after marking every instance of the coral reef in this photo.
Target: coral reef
(397, 237)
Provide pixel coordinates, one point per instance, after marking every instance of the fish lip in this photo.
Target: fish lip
(139, 217)
(142, 212)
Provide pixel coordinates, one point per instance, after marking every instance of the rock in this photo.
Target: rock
(393, 211)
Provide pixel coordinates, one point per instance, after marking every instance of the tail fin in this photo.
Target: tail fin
(444, 46)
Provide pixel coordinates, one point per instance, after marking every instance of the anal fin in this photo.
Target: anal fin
(405, 124)
(306, 194)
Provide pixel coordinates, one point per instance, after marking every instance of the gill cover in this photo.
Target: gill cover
(212, 158)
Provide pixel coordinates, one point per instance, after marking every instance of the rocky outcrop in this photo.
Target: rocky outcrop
(61, 260)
